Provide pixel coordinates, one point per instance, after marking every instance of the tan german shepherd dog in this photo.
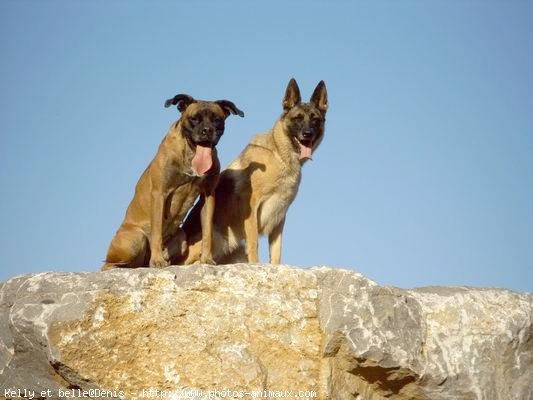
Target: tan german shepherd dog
(256, 190)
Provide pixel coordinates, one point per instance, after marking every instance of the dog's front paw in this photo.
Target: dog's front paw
(158, 261)
(207, 260)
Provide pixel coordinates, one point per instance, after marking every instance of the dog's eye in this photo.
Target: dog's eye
(298, 117)
(219, 124)
(194, 120)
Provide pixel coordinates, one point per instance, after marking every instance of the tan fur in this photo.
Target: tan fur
(253, 196)
(151, 233)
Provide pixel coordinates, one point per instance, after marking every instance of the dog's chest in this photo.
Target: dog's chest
(275, 203)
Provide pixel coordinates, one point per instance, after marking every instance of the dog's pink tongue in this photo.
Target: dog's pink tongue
(202, 160)
(305, 152)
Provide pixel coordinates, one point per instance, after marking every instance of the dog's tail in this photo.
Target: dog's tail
(107, 266)
(110, 265)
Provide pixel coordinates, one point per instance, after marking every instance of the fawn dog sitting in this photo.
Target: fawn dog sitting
(186, 164)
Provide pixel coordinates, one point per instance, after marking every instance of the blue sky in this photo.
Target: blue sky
(425, 175)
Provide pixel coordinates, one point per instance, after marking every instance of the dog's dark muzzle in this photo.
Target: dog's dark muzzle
(307, 137)
(207, 135)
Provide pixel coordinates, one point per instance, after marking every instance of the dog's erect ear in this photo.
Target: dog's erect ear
(229, 108)
(320, 97)
(292, 95)
(181, 100)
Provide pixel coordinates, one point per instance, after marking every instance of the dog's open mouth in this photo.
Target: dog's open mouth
(306, 149)
(203, 158)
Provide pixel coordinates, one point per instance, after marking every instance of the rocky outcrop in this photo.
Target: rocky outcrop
(249, 328)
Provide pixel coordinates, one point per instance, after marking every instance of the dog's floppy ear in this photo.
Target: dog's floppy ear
(292, 95)
(181, 100)
(229, 108)
(320, 97)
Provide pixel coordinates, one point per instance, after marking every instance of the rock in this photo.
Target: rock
(241, 328)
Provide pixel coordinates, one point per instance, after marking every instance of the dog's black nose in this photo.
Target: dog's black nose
(307, 133)
(207, 130)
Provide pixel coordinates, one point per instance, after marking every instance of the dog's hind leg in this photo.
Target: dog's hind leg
(129, 248)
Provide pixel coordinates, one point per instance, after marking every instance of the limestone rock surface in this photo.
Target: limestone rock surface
(249, 330)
